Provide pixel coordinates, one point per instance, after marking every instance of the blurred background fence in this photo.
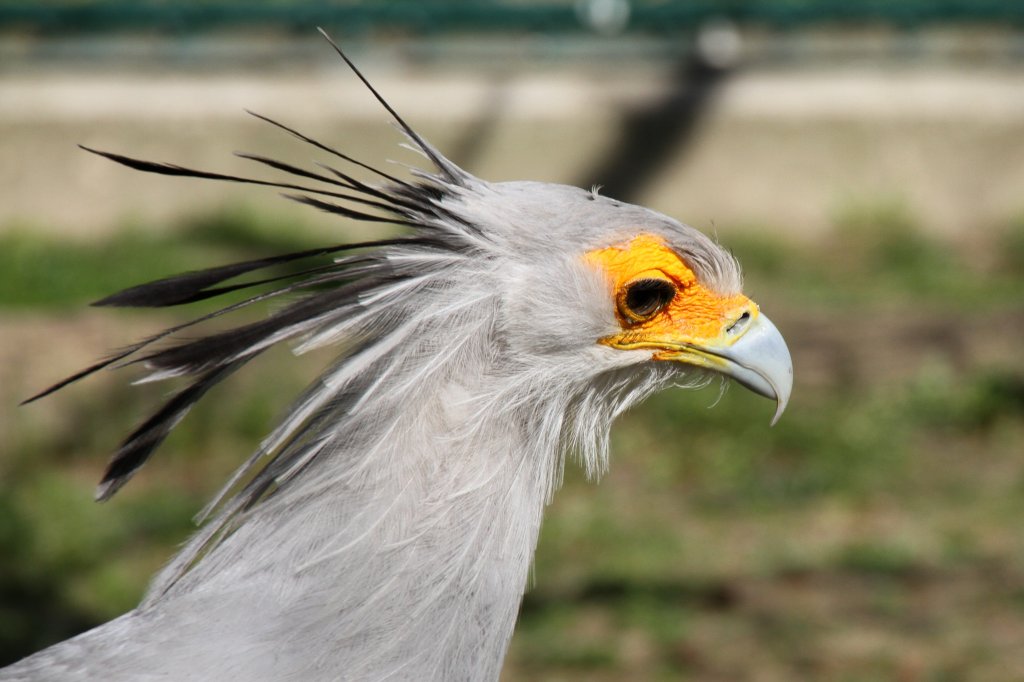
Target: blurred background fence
(443, 16)
(865, 161)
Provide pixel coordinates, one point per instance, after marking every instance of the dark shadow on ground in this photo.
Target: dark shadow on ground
(652, 135)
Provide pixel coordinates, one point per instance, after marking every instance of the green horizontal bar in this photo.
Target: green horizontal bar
(436, 16)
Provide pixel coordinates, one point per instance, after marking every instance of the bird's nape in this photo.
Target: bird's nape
(385, 528)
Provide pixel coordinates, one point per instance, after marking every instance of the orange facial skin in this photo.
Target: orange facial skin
(695, 316)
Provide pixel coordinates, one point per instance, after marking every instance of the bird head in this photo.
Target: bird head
(574, 301)
(618, 287)
(670, 309)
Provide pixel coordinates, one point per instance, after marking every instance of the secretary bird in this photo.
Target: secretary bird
(385, 529)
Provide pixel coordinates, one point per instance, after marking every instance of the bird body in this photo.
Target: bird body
(385, 530)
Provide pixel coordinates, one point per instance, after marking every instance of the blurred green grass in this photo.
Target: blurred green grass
(39, 270)
(871, 535)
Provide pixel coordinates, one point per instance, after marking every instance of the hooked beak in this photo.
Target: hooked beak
(751, 351)
(758, 360)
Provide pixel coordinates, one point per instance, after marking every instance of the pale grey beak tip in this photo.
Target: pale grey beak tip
(760, 360)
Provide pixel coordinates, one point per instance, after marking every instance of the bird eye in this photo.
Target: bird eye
(645, 297)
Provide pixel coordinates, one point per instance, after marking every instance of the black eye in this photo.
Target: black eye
(644, 297)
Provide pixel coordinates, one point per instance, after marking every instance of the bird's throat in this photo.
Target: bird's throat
(411, 559)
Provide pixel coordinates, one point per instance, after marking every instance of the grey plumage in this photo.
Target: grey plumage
(385, 528)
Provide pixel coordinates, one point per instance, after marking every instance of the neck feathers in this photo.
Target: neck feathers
(402, 531)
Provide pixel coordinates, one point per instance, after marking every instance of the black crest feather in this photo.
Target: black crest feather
(331, 280)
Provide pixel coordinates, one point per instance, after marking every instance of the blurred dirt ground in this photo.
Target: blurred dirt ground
(787, 148)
